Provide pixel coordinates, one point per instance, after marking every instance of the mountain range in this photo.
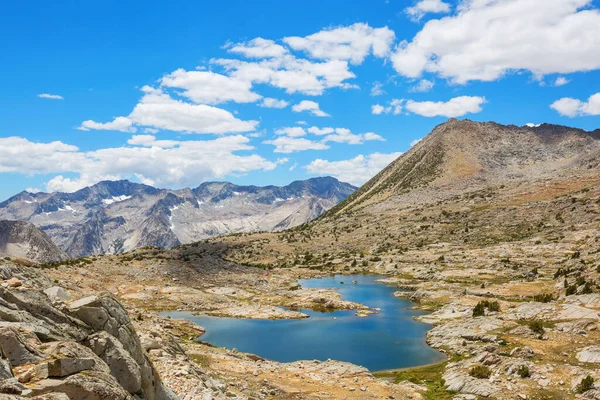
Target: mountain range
(118, 216)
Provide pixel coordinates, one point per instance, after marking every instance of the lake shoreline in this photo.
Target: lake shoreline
(372, 342)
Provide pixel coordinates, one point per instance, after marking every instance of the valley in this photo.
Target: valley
(491, 230)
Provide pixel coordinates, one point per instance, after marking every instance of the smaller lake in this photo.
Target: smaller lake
(388, 340)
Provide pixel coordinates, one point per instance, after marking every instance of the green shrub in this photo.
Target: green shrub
(543, 298)
(537, 327)
(479, 310)
(586, 384)
(587, 288)
(523, 371)
(571, 290)
(480, 372)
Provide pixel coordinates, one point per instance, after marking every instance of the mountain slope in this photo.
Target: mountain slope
(459, 154)
(112, 217)
(24, 240)
(465, 184)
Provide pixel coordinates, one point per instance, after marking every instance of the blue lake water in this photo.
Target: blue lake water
(388, 340)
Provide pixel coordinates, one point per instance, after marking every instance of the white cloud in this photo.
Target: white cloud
(352, 43)
(187, 163)
(343, 135)
(377, 89)
(560, 81)
(258, 48)
(122, 124)
(422, 86)
(158, 110)
(357, 170)
(573, 107)
(32, 190)
(424, 7)
(285, 144)
(205, 87)
(310, 106)
(320, 131)
(452, 108)
(150, 141)
(50, 96)
(291, 131)
(269, 102)
(393, 107)
(488, 38)
(302, 122)
(414, 142)
(293, 167)
(532, 125)
(292, 74)
(377, 109)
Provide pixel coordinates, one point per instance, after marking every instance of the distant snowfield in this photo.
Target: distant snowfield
(115, 199)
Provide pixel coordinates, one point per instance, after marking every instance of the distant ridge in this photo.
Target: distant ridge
(117, 216)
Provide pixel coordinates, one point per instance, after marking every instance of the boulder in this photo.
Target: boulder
(14, 282)
(122, 366)
(105, 313)
(5, 370)
(589, 354)
(57, 293)
(68, 366)
(15, 348)
(460, 381)
(82, 387)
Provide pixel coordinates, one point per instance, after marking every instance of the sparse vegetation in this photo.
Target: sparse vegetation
(480, 372)
(523, 371)
(586, 384)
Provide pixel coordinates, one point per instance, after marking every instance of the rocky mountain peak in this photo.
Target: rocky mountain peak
(25, 240)
(116, 216)
(464, 152)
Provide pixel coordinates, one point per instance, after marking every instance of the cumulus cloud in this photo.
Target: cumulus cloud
(320, 131)
(150, 141)
(343, 135)
(122, 124)
(422, 86)
(184, 163)
(291, 131)
(575, 108)
(50, 96)
(286, 144)
(258, 48)
(352, 43)
(158, 110)
(269, 102)
(393, 107)
(205, 87)
(290, 142)
(424, 7)
(452, 108)
(292, 74)
(488, 38)
(356, 170)
(310, 106)
(561, 81)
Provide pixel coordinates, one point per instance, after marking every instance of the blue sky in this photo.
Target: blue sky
(176, 93)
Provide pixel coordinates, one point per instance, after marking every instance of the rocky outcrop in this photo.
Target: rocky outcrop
(24, 240)
(87, 349)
